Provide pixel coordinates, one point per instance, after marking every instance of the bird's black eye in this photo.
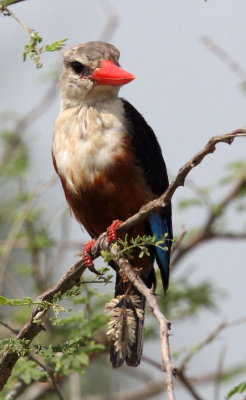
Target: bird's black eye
(77, 67)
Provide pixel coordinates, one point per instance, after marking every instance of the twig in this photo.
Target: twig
(186, 382)
(16, 391)
(178, 240)
(225, 57)
(229, 235)
(156, 386)
(207, 232)
(38, 109)
(165, 199)
(50, 372)
(7, 11)
(113, 20)
(208, 339)
(16, 227)
(152, 388)
(15, 331)
(219, 372)
(8, 3)
(165, 325)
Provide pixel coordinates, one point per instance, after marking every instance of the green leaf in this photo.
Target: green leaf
(16, 302)
(237, 389)
(55, 46)
(19, 346)
(107, 257)
(28, 372)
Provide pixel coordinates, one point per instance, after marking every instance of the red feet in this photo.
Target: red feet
(86, 254)
(111, 237)
(111, 231)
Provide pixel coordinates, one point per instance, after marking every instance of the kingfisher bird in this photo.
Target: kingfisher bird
(110, 164)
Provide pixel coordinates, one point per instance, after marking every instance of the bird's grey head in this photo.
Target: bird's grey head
(78, 83)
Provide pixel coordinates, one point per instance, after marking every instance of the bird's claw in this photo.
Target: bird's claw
(111, 231)
(86, 256)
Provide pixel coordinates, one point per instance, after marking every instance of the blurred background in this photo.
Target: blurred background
(189, 59)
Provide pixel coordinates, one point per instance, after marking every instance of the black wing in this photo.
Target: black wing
(148, 153)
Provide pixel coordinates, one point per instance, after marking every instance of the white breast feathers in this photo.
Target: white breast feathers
(86, 139)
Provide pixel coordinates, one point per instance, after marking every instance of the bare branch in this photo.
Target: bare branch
(207, 232)
(180, 372)
(178, 240)
(127, 270)
(38, 109)
(225, 57)
(113, 20)
(219, 373)
(16, 391)
(7, 11)
(15, 331)
(165, 199)
(209, 338)
(16, 227)
(51, 374)
(187, 384)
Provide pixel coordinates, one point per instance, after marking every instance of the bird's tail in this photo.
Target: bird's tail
(126, 327)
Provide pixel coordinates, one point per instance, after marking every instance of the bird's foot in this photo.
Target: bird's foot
(86, 256)
(111, 231)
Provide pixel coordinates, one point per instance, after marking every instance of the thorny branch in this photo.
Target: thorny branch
(207, 232)
(73, 275)
(165, 325)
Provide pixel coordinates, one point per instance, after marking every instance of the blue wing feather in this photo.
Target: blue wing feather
(160, 225)
(148, 153)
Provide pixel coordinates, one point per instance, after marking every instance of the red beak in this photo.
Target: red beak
(111, 75)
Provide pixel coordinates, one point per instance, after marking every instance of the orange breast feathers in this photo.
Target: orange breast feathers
(98, 170)
(116, 193)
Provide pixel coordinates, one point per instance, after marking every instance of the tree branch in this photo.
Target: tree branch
(72, 276)
(207, 232)
(209, 338)
(165, 199)
(127, 270)
(7, 11)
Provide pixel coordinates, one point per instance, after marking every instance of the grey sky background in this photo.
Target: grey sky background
(184, 92)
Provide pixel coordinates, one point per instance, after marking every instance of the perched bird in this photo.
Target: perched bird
(110, 164)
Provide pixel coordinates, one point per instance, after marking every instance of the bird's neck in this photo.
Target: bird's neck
(98, 95)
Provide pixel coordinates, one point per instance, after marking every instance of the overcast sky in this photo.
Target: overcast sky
(185, 92)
